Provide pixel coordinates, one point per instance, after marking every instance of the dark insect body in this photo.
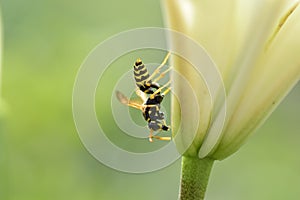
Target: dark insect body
(153, 115)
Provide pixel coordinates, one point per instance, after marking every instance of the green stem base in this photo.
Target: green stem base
(194, 177)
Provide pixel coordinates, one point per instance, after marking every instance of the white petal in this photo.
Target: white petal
(275, 73)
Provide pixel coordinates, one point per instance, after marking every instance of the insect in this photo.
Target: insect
(142, 78)
(151, 104)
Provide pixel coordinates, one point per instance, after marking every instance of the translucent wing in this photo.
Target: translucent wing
(124, 100)
(141, 94)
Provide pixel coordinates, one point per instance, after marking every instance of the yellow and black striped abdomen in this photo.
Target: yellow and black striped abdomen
(142, 78)
(141, 74)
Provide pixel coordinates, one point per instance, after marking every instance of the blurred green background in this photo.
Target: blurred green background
(41, 156)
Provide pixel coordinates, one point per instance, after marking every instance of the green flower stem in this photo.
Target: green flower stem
(194, 177)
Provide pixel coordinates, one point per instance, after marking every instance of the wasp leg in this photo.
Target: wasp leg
(164, 122)
(151, 136)
(165, 60)
(166, 91)
(165, 128)
(162, 74)
(135, 105)
(160, 66)
(138, 106)
(161, 127)
(162, 138)
(159, 90)
(124, 100)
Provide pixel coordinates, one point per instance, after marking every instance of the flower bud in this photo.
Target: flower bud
(255, 45)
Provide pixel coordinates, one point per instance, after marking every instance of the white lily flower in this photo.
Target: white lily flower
(256, 46)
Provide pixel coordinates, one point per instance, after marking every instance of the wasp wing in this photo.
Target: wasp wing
(124, 100)
(142, 95)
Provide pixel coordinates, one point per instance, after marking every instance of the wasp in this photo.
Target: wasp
(151, 104)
